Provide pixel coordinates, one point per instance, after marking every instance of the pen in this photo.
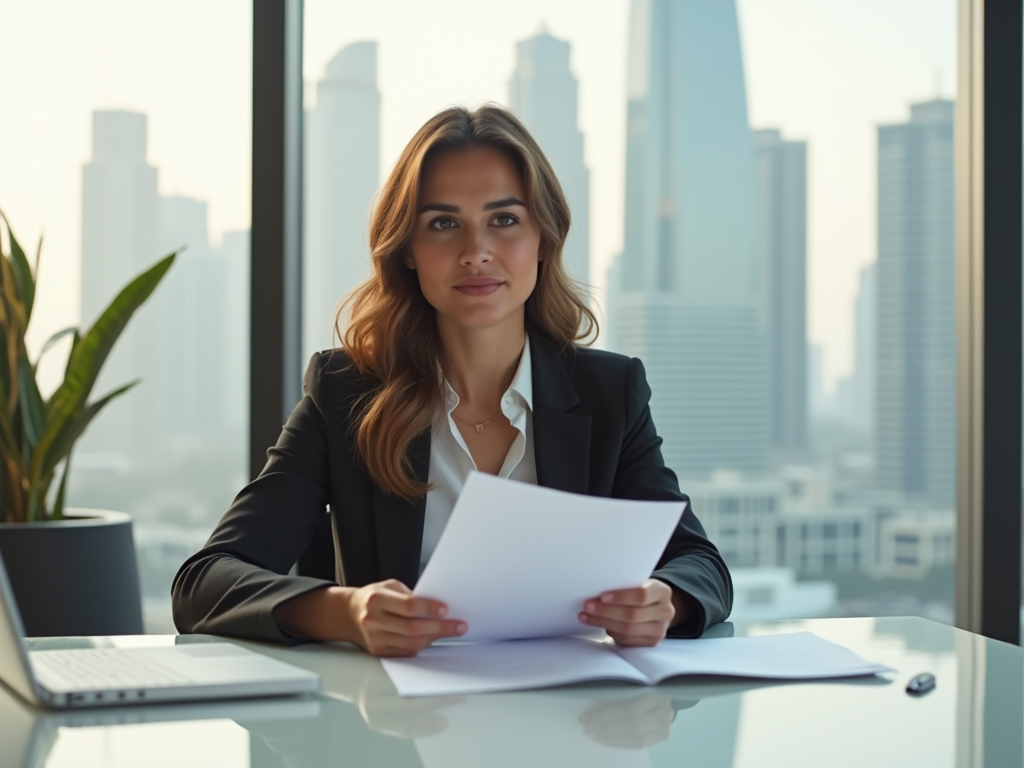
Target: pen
(921, 684)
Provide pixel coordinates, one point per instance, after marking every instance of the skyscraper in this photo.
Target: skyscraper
(543, 92)
(915, 335)
(120, 221)
(689, 303)
(193, 322)
(342, 174)
(782, 260)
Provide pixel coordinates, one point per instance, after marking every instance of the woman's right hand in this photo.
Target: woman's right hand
(388, 620)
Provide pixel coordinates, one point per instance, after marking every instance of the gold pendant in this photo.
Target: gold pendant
(479, 427)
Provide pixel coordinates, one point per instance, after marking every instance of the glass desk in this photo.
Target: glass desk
(973, 718)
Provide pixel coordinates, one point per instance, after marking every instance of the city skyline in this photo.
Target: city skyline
(714, 211)
(209, 159)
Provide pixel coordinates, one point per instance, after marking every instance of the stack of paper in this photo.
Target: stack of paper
(523, 664)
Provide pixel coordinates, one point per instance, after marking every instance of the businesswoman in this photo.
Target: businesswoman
(461, 353)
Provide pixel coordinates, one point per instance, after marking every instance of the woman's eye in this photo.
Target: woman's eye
(505, 220)
(442, 223)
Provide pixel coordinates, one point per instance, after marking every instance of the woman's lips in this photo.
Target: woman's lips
(485, 289)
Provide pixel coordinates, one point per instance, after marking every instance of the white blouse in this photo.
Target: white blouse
(451, 461)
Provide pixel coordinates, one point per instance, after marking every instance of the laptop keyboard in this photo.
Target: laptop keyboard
(99, 668)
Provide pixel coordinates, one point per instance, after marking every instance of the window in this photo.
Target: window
(125, 134)
(816, 328)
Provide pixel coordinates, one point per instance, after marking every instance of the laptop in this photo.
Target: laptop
(91, 677)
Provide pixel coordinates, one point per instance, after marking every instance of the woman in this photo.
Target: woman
(460, 354)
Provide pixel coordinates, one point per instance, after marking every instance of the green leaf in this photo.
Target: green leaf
(57, 513)
(24, 281)
(54, 339)
(74, 428)
(88, 358)
(33, 412)
(76, 338)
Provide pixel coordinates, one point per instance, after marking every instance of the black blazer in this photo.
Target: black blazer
(593, 434)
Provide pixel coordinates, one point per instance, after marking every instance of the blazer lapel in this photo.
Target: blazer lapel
(399, 523)
(561, 440)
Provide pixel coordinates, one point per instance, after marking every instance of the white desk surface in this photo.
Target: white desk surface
(973, 718)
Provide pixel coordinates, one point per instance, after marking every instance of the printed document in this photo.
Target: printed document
(518, 560)
(522, 664)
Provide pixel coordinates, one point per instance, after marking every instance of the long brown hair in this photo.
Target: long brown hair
(392, 338)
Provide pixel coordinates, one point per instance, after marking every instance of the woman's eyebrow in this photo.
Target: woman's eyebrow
(504, 203)
(448, 208)
(443, 207)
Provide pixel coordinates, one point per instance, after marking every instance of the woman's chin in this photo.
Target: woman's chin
(483, 317)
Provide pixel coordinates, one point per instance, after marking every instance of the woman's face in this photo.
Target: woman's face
(475, 248)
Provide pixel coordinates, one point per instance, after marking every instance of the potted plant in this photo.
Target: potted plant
(73, 571)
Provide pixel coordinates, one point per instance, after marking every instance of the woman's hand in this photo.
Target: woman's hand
(384, 618)
(387, 620)
(637, 616)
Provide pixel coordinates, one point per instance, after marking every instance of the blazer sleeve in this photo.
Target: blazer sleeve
(690, 564)
(233, 585)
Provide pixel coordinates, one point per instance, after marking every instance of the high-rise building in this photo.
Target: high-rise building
(855, 394)
(689, 302)
(120, 223)
(915, 333)
(543, 92)
(342, 173)
(782, 259)
(234, 249)
(193, 318)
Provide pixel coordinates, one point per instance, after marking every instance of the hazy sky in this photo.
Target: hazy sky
(828, 72)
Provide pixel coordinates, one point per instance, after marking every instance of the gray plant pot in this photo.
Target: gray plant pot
(76, 576)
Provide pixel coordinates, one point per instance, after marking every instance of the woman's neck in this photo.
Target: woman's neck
(480, 363)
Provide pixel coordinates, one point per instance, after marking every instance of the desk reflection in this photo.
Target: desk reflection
(364, 720)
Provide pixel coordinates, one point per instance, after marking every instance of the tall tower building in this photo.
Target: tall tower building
(782, 260)
(915, 335)
(543, 92)
(342, 174)
(193, 320)
(689, 302)
(863, 400)
(120, 221)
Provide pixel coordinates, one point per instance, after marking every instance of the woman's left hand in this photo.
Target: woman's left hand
(637, 616)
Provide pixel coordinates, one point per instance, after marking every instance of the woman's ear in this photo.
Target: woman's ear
(408, 260)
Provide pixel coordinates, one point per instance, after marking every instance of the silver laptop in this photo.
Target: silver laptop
(90, 677)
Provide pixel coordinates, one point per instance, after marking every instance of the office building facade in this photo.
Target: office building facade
(543, 92)
(193, 317)
(689, 300)
(342, 173)
(782, 262)
(915, 336)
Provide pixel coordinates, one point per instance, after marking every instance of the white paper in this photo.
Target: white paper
(509, 666)
(792, 656)
(524, 664)
(518, 560)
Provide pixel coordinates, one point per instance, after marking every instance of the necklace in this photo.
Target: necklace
(478, 426)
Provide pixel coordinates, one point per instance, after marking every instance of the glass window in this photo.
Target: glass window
(125, 134)
(762, 197)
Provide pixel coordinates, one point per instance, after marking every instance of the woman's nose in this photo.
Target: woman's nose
(476, 249)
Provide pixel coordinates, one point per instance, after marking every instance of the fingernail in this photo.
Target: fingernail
(442, 611)
(461, 628)
(584, 618)
(606, 598)
(591, 606)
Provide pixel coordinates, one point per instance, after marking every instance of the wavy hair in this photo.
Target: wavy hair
(392, 338)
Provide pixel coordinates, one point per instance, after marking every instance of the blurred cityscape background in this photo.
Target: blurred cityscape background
(829, 495)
